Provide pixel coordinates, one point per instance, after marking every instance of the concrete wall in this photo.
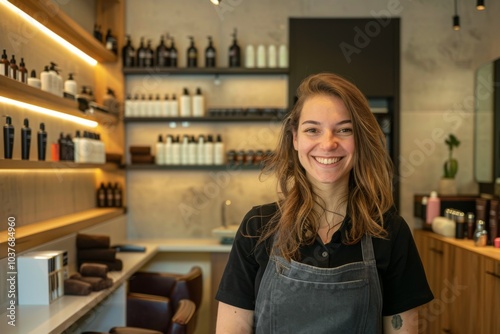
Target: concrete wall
(437, 81)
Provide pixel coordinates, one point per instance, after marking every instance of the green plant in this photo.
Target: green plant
(451, 165)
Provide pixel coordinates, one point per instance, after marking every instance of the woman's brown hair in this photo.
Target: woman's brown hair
(370, 181)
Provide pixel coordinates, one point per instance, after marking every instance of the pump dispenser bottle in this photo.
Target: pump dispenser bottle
(42, 142)
(186, 104)
(173, 54)
(128, 53)
(70, 86)
(234, 52)
(272, 60)
(283, 56)
(261, 56)
(46, 82)
(209, 151)
(210, 54)
(250, 56)
(168, 150)
(162, 54)
(174, 106)
(219, 153)
(141, 54)
(192, 54)
(176, 151)
(4, 64)
(33, 81)
(22, 73)
(8, 138)
(185, 150)
(160, 151)
(198, 104)
(25, 140)
(13, 68)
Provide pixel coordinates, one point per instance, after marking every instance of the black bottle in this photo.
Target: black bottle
(192, 54)
(63, 155)
(8, 138)
(141, 54)
(109, 195)
(210, 54)
(173, 54)
(150, 55)
(25, 140)
(42, 142)
(117, 196)
(13, 68)
(70, 148)
(4, 64)
(234, 52)
(97, 33)
(101, 196)
(162, 54)
(22, 72)
(111, 43)
(128, 54)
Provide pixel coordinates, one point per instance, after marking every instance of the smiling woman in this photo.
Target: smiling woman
(334, 238)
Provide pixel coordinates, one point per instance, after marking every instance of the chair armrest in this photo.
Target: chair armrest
(183, 321)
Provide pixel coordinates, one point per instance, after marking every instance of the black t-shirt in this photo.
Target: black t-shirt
(401, 274)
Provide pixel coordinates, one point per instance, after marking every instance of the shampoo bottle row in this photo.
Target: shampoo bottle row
(11, 69)
(81, 149)
(270, 58)
(189, 150)
(187, 106)
(8, 140)
(109, 196)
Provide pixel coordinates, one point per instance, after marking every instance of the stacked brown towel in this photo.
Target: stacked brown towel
(141, 155)
(96, 249)
(92, 277)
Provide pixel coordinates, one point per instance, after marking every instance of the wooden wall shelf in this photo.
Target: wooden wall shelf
(61, 24)
(207, 119)
(36, 234)
(228, 168)
(56, 165)
(205, 71)
(21, 92)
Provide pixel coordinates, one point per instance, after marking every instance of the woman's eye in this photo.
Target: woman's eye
(345, 130)
(311, 130)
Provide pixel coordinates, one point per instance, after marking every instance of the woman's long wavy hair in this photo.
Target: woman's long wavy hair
(370, 180)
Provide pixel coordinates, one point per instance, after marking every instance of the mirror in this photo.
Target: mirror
(486, 119)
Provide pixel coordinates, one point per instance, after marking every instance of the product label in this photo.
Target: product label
(2, 68)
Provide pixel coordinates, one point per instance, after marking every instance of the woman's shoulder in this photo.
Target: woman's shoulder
(395, 224)
(258, 217)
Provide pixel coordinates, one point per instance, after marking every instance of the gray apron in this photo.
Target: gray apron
(298, 298)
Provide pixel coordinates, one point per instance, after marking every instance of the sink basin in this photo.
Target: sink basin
(226, 234)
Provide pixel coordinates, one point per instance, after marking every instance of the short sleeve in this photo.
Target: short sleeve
(404, 281)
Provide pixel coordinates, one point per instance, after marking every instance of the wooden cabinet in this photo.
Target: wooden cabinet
(465, 281)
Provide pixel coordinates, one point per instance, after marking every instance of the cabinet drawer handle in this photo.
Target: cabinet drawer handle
(437, 251)
(492, 274)
(446, 330)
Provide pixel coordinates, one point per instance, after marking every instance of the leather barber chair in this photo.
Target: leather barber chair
(163, 303)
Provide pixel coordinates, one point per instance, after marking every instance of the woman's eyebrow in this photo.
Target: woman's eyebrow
(346, 121)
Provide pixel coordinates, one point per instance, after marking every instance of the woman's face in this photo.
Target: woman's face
(324, 140)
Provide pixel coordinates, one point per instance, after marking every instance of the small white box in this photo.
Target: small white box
(41, 276)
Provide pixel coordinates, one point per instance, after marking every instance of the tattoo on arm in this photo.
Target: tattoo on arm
(397, 321)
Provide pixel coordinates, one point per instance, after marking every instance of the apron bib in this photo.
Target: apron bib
(298, 298)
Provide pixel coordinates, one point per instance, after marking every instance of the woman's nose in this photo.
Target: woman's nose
(329, 141)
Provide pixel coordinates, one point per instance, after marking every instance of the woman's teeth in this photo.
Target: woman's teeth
(327, 161)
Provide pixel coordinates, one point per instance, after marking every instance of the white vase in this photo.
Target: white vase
(447, 187)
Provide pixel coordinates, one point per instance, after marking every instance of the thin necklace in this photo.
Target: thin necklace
(334, 225)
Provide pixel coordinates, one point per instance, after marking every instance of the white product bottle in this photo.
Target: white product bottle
(192, 150)
(150, 105)
(219, 154)
(185, 150)
(186, 104)
(85, 148)
(165, 107)
(250, 56)
(101, 157)
(168, 150)
(433, 208)
(33, 81)
(53, 79)
(198, 104)
(272, 56)
(283, 56)
(209, 151)
(76, 144)
(70, 85)
(59, 85)
(176, 151)
(160, 151)
(261, 56)
(200, 150)
(45, 77)
(128, 106)
(157, 104)
(174, 107)
(141, 106)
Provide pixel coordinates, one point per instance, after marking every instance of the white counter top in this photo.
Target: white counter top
(63, 312)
